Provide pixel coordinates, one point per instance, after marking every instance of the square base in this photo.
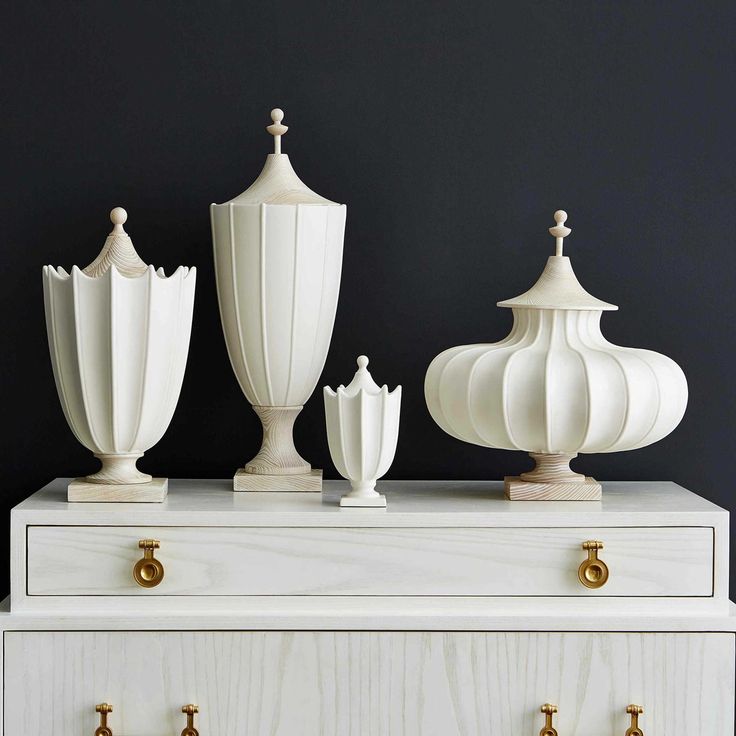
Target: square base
(254, 482)
(371, 502)
(522, 490)
(80, 490)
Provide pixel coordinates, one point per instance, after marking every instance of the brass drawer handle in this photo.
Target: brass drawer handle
(634, 711)
(548, 729)
(103, 709)
(148, 571)
(190, 710)
(593, 573)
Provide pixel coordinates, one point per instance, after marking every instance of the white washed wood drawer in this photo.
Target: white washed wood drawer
(367, 683)
(317, 561)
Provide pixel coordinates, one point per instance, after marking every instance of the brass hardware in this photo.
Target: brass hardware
(148, 571)
(103, 709)
(190, 710)
(593, 573)
(634, 711)
(549, 730)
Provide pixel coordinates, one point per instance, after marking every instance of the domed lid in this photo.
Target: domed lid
(278, 183)
(558, 287)
(117, 251)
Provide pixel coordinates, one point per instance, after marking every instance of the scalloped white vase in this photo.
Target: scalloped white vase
(118, 347)
(362, 431)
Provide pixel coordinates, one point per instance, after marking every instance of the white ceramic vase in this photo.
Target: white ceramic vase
(118, 336)
(362, 431)
(555, 386)
(278, 260)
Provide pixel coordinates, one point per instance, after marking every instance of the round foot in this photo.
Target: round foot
(277, 455)
(119, 470)
(552, 468)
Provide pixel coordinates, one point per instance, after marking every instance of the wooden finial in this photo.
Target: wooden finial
(559, 231)
(277, 128)
(118, 216)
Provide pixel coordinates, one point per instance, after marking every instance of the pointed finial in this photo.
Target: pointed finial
(118, 216)
(559, 231)
(362, 362)
(277, 128)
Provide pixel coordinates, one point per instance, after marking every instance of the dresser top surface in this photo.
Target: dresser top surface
(410, 503)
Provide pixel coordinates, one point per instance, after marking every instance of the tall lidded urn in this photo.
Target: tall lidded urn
(555, 386)
(118, 335)
(278, 260)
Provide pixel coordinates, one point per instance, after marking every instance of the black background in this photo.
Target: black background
(451, 130)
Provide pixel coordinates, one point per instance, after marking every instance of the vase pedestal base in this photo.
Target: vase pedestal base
(363, 502)
(300, 483)
(81, 490)
(518, 489)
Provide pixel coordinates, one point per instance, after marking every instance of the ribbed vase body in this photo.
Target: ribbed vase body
(555, 385)
(362, 431)
(278, 276)
(118, 348)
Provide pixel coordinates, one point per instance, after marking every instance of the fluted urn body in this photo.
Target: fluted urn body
(118, 336)
(278, 260)
(555, 387)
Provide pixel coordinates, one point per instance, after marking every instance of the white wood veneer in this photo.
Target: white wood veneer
(94, 561)
(340, 658)
(331, 683)
(435, 539)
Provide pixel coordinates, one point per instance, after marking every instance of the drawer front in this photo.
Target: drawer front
(373, 684)
(261, 561)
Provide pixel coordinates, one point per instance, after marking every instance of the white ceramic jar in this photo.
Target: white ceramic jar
(362, 431)
(555, 386)
(118, 335)
(278, 261)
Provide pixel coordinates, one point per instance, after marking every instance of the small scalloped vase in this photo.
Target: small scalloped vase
(362, 431)
(118, 335)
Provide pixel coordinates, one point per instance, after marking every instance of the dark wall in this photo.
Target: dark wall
(451, 130)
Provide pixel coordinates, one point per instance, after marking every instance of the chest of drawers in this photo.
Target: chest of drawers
(451, 612)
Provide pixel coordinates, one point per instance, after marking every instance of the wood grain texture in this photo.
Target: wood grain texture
(95, 561)
(277, 455)
(372, 613)
(82, 491)
(411, 503)
(310, 482)
(517, 489)
(368, 684)
(425, 505)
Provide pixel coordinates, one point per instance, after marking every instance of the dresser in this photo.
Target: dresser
(451, 612)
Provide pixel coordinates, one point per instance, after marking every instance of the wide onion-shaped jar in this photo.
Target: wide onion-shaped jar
(555, 386)
(118, 334)
(278, 261)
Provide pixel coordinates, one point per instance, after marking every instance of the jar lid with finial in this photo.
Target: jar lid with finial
(278, 183)
(558, 287)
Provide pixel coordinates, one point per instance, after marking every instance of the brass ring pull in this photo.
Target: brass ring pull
(103, 709)
(593, 573)
(190, 710)
(634, 711)
(548, 730)
(148, 571)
